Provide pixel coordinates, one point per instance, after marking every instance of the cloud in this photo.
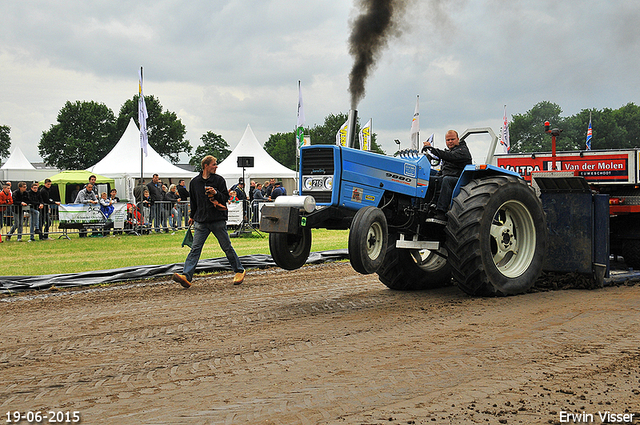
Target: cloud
(223, 64)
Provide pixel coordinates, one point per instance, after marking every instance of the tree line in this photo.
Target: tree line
(611, 128)
(86, 131)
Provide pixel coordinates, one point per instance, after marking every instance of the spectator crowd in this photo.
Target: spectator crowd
(159, 208)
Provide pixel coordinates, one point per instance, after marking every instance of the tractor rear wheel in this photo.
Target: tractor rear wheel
(412, 269)
(496, 237)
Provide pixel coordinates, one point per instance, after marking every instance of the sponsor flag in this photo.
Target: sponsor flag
(300, 120)
(142, 116)
(341, 135)
(589, 135)
(504, 137)
(430, 139)
(415, 126)
(365, 137)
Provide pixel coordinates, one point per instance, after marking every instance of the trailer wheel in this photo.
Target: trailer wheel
(290, 251)
(368, 240)
(496, 237)
(414, 270)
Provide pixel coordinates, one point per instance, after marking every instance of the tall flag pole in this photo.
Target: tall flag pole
(300, 119)
(589, 134)
(365, 136)
(142, 117)
(415, 126)
(504, 139)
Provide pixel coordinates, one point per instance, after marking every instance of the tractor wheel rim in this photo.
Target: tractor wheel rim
(374, 241)
(513, 239)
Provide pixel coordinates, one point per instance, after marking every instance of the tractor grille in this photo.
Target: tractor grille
(320, 197)
(318, 162)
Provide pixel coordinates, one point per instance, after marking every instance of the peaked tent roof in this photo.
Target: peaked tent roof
(265, 167)
(124, 159)
(17, 161)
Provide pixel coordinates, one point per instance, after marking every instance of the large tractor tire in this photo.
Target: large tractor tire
(290, 251)
(368, 240)
(414, 270)
(496, 237)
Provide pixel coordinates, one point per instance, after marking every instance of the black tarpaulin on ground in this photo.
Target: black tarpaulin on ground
(257, 261)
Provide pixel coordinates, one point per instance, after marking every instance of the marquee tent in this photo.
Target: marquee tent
(265, 167)
(18, 168)
(17, 161)
(124, 160)
(73, 177)
(123, 163)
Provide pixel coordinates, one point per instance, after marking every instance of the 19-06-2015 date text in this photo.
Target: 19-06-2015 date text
(36, 417)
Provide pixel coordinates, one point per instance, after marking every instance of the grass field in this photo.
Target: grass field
(100, 253)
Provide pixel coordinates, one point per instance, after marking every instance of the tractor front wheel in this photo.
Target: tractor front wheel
(368, 240)
(290, 251)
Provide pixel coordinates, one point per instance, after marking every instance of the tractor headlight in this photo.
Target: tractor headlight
(328, 183)
(307, 183)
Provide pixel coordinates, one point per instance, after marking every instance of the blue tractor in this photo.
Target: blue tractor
(493, 242)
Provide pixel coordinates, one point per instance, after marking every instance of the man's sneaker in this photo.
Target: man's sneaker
(182, 280)
(239, 277)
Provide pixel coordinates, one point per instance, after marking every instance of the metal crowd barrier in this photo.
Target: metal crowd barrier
(162, 216)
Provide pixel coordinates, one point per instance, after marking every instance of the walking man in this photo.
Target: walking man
(209, 196)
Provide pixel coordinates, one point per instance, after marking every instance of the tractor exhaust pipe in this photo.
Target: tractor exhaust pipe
(351, 128)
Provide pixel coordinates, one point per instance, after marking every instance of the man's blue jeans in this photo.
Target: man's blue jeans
(200, 234)
(34, 222)
(446, 190)
(18, 218)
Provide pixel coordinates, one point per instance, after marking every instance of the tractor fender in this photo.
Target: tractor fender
(472, 172)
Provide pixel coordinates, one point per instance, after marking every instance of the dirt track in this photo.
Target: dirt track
(319, 345)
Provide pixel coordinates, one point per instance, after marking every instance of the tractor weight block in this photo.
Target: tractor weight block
(280, 219)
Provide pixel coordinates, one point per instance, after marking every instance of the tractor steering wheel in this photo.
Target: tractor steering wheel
(433, 160)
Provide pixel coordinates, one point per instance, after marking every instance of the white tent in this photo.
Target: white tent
(124, 159)
(265, 167)
(17, 161)
(19, 168)
(123, 163)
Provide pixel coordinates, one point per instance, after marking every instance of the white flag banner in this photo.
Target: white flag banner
(341, 135)
(142, 116)
(300, 119)
(504, 136)
(415, 126)
(365, 136)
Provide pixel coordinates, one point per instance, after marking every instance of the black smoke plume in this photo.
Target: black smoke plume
(370, 33)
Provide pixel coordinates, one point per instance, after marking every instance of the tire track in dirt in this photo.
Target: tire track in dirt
(309, 346)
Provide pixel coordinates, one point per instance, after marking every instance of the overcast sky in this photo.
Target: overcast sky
(221, 65)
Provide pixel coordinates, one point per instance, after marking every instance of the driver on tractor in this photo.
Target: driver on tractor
(455, 158)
